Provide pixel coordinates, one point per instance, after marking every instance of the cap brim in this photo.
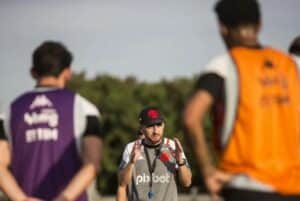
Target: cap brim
(153, 122)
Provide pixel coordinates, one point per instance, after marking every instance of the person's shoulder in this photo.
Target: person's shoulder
(218, 65)
(129, 146)
(21, 96)
(275, 50)
(88, 107)
(67, 91)
(29, 94)
(280, 55)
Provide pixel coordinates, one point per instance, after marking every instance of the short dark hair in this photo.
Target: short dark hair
(50, 59)
(233, 13)
(295, 46)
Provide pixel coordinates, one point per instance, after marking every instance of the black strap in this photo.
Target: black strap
(152, 166)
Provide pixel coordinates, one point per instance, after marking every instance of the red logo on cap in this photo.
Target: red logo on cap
(153, 114)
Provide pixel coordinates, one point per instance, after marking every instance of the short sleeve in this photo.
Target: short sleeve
(126, 155)
(86, 117)
(212, 83)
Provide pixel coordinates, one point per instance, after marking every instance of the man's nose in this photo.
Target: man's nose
(155, 127)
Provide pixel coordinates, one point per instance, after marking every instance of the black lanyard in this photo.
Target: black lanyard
(152, 166)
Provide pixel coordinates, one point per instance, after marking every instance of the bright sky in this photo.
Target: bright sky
(150, 39)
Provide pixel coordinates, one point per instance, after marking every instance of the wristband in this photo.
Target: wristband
(182, 163)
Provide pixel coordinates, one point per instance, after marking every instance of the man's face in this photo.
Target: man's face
(154, 132)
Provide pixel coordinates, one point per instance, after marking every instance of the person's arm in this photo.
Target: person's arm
(121, 193)
(184, 172)
(194, 115)
(130, 154)
(91, 154)
(125, 173)
(7, 181)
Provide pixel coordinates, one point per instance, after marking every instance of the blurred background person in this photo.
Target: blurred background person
(52, 138)
(253, 92)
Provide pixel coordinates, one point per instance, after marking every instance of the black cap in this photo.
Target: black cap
(150, 116)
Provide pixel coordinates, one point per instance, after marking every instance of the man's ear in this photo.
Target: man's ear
(67, 74)
(258, 27)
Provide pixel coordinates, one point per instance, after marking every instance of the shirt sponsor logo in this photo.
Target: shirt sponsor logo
(143, 178)
(42, 122)
(40, 101)
(48, 116)
(41, 134)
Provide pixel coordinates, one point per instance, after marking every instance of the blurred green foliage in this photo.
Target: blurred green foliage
(120, 101)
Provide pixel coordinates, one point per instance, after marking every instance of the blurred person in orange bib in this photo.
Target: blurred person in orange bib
(253, 92)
